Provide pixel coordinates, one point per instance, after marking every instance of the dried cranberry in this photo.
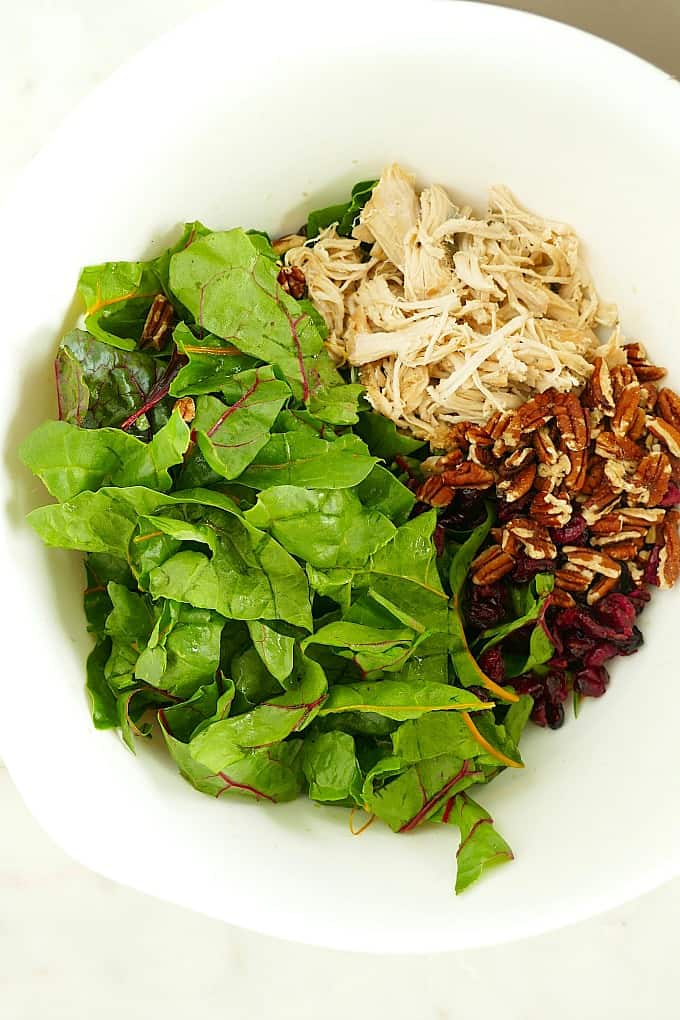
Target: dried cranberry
(539, 714)
(579, 622)
(672, 497)
(599, 654)
(556, 687)
(639, 597)
(486, 607)
(573, 532)
(506, 511)
(526, 568)
(630, 645)
(439, 538)
(481, 692)
(617, 613)
(529, 684)
(591, 682)
(491, 663)
(651, 569)
(465, 512)
(554, 715)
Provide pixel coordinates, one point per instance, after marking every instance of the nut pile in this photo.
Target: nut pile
(588, 483)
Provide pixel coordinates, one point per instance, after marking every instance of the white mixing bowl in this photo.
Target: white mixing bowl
(251, 116)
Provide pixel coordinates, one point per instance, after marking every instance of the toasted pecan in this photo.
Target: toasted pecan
(491, 565)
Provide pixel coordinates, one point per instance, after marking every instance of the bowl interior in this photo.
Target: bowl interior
(232, 123)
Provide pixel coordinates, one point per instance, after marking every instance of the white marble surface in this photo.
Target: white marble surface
(76, 946)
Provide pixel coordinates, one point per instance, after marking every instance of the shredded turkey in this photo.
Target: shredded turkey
(449, 316)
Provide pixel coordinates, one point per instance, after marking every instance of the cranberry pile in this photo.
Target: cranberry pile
(585, 638)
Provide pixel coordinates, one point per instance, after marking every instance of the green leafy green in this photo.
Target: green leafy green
(231, 434)
(380, 490)
(481, 847)
(275, 649)
(260, 581)
(344, 214)
(117, 297)
(325, 527)
(406, 796)
(297, 458)
(232, 291)
(70, 460)
(383, 438)
(331, 768)
(398, 699)
(211, 363)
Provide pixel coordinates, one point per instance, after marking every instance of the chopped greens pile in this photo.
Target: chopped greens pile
(259, 578)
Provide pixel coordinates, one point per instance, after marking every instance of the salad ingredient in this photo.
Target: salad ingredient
(453, 317)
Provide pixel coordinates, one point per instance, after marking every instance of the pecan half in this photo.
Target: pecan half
(437, 465)
(435, 492)
(517, 484)
(468, 476)
(626, 549)
(292, 280)
(668, 406)
(560, 597)
(481, 455)
(667, 433)
(517, 459)
(621, 376)
(595, 477)
(537, 411)
(478, 435)
(598, 562)
(668, 569)
(603, 586)
(573, 578)
(612, 447)
(649, 395)
(607, 446)
(650, 481)
(571, 421)
(545, 448)
(551, 509)
(626, 408)
(600, 388)
(637, 359)
(575, 480)
(639, 426)
(534, 537)
(600, 503)
(497, 424)
(158, 324)
(491, 565)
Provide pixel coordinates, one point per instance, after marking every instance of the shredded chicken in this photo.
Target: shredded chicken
(451, 317)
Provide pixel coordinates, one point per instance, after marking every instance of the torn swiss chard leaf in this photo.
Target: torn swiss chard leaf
(99, 385)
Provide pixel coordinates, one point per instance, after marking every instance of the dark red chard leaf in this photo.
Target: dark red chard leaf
(100, 386)
(158, 393)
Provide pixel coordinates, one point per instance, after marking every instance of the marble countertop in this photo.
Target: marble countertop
(70, 941)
